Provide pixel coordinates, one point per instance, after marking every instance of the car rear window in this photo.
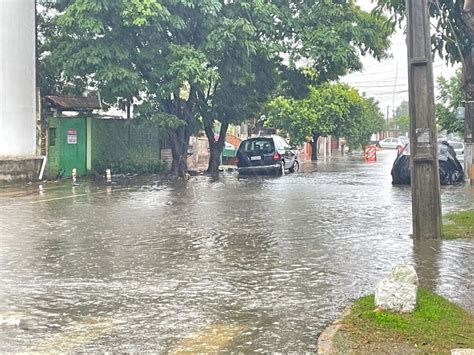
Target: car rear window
(263, 145)
(457, 145)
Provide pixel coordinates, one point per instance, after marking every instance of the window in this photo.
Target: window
(285, 144)
(281, 143)
(261, 145)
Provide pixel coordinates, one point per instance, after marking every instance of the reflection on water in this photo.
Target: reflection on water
(250, 265)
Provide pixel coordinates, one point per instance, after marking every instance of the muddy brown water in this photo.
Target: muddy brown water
(240, 264)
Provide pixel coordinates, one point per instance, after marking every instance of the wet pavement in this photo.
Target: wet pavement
(245, 265)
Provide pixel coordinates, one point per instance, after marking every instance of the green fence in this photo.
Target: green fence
(126, 146)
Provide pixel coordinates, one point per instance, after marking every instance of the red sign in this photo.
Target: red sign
(72, 136)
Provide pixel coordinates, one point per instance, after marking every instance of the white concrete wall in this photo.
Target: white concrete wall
(17, 78)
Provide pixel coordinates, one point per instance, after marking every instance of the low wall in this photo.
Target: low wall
(199, 160)
(19, 169)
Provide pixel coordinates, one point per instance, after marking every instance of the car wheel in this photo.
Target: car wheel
(281, 170)
(296, 167)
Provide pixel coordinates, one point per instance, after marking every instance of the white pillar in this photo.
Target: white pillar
(325, 145)
(17, 78)
(329, 146)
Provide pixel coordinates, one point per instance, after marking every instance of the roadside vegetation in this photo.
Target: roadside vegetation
(448, 19)
(142, 162)
(459, 225)
(329, 109)
(437, 326)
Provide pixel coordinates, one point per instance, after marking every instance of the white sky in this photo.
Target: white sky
(387, 81)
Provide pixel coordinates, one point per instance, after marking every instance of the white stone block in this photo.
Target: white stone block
(404, 273)
(396, 296)
(462, 352)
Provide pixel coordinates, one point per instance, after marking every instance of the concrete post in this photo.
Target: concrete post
(468, 138)
(468, 83)
(426, 205)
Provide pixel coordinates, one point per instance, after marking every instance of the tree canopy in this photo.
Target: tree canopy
(451, 96)
(402, 118)
(451, 39)
(330, 109)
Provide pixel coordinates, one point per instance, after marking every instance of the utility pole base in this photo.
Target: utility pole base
(426, 202)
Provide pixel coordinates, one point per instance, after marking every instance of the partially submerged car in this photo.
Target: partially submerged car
(266, 154)
(458, 148)
(450, 170)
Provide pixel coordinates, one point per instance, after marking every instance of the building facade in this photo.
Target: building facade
(17, 79)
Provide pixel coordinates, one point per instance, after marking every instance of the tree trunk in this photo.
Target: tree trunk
(215, 147)
(179, 137)
(314, 146)
(215, 158)
(179, 150)
(129, 109)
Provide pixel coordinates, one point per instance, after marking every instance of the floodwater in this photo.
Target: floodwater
(236, 265)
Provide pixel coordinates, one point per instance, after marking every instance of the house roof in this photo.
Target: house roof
(75, 103)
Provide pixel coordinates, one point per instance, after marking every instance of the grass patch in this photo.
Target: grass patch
(437, 325)
(459, 225)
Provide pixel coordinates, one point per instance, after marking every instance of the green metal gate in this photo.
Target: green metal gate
(73, 140)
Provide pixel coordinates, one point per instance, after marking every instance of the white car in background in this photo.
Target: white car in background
(458, 148)
(391, 143)
(404, 139)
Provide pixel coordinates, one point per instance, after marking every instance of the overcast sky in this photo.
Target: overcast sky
(387, 81)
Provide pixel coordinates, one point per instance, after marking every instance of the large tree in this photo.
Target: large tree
(451, 39)
(204, 60)
(330, 109)
(450, 98)
(402, 118)
(360, 128)
(454, 36)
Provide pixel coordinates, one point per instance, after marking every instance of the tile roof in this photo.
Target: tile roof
(76, 103)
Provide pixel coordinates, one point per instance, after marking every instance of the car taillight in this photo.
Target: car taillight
(276, 156)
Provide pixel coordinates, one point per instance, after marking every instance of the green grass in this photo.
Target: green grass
(459, 225)
(437, 325)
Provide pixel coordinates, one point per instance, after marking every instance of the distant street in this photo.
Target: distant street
(240, 265)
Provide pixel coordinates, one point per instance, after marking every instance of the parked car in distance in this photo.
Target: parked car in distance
(458, 149)
(266, 154)
(391, 143)
(404, 139)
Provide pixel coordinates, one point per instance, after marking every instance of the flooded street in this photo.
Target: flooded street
(245, 265)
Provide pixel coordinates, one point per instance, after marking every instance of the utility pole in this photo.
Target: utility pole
(426, 205)
(468, 81)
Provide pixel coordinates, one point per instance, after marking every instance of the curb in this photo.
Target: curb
(326, 338)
